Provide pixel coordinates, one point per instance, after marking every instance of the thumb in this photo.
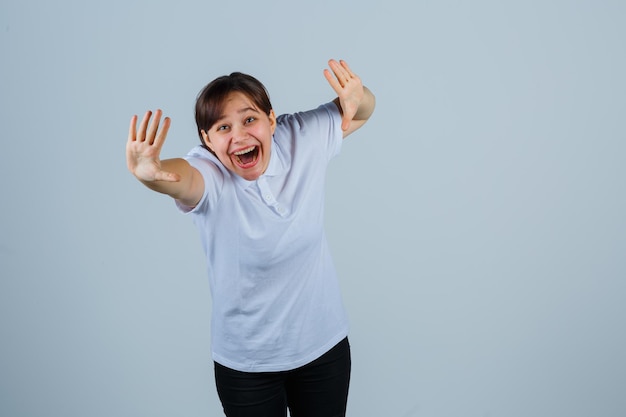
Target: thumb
(345, 123)
(166, 176)
(348, 112)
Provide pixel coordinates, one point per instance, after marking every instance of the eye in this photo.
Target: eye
(221, 128)
(250, 119)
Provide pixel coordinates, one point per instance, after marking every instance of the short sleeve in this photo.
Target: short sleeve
(335, 134)
(320, 126)
(213, 177)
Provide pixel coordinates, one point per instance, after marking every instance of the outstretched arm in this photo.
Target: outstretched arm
(174, 177)
(355, 102)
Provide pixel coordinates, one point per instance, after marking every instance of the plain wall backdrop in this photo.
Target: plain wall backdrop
(477, 221)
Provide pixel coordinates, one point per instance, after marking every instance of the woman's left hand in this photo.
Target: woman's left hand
(348, 87)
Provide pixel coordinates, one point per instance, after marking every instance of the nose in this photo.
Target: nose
(239, 133)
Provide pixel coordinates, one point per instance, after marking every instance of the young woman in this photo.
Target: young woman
(255, 190)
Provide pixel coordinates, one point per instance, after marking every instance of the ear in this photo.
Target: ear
(205, 139)
(272, 117)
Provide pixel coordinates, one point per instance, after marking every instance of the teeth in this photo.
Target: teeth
(250, 149)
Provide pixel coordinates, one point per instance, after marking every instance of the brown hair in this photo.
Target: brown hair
(210, 100)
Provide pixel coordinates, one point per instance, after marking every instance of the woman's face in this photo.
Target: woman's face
(241, 138)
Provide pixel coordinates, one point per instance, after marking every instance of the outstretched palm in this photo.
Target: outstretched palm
(143, 148)
(348, 87)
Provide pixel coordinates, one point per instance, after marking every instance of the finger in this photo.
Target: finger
(332, 81)
(154, 127)
(345, 66)
(160, 137)
(343, 75)
(132, 129)
(141, 134)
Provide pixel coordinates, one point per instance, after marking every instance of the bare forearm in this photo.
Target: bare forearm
(367, 105)
(362, 114)
(188, 189)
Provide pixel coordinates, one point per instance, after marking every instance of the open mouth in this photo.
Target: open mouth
(247, 157)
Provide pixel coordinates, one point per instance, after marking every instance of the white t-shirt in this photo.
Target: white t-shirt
(276, 303)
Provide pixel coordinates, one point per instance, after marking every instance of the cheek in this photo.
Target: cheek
(264, 133)
(218, 144)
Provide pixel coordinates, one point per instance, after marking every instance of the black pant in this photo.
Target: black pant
(318, 389)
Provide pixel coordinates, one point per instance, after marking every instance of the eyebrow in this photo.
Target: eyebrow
(240, 111)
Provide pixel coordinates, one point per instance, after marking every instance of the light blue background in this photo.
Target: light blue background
(477, 221)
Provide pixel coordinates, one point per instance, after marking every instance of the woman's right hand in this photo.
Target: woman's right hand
(143, 148)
